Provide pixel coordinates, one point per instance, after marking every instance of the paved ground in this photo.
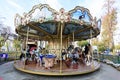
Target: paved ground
(106, 72)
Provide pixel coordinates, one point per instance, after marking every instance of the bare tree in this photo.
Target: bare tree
(5, 32)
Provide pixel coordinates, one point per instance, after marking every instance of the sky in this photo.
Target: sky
(8, 8)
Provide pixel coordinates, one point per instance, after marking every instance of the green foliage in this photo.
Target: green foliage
(82, 43)
(7, 45)
(117, 47)
(1, 41)
(17, 44)
(101, 47)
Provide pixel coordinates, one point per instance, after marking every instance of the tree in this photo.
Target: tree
(82, 43)
(95, 41)
(5, 33)
(1, 41)
(109, 22)
(16, 44)
(117, 47)
(101, 46)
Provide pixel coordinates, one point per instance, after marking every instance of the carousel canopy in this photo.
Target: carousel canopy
(43, 23)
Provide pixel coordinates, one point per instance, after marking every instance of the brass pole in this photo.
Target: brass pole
(90, 39)
(68, 42)
(26, 41)
(27, 38)
(91, 48)
(61, 50)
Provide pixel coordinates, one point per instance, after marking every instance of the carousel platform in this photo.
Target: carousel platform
(55, 71)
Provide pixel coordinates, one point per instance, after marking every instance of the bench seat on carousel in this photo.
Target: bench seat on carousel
(49, 60)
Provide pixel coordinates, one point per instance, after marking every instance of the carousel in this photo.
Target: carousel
(58, 30)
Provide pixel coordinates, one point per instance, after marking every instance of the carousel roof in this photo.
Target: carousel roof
(43, 22)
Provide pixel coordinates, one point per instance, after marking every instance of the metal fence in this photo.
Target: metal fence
(113, 58)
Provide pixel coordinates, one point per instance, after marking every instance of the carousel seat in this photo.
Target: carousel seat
(49, 60)
(50, 56)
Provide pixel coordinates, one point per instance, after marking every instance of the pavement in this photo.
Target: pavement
(106, 72)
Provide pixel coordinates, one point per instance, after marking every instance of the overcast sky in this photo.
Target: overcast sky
(8, 8)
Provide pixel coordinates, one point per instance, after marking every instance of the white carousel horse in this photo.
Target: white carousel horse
(88, 59)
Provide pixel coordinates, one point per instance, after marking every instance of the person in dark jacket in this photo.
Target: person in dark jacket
(86, 49)
(22, 54)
